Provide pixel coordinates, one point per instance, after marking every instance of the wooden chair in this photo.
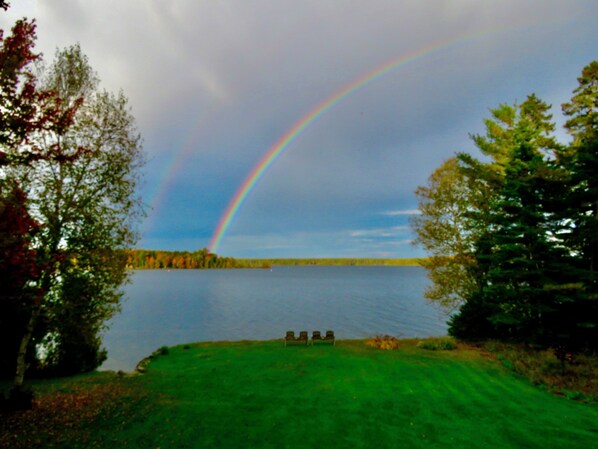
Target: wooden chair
(303, 337)
(330, 337)
(316, 336)
(289, 337)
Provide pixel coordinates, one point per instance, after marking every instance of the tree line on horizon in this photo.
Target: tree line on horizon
(330, 261)
(513, 237)
(143, 259)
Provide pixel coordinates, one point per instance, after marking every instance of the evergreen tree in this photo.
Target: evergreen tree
(519, 260)
(532, 232)
(580, 205)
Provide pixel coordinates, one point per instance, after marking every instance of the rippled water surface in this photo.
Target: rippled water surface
(180, 306)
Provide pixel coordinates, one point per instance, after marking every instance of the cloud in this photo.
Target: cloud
(214, 85)
(394, 213)
(383, 232)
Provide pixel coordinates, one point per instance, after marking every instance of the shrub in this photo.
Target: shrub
(505, 362)
(162, 351)
(438, 344)
(574, 395)
(386, 342)
(574, 379)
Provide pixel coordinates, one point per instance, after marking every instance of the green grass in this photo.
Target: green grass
(263, 395)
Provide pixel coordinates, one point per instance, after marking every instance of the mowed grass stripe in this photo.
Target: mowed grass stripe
(480, 387)
(450, 406)
(265, 395)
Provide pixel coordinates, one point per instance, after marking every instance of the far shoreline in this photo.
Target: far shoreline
(204, 259)
(256, 263)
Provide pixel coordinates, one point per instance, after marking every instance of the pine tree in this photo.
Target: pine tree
(519, 260)
(580, 205)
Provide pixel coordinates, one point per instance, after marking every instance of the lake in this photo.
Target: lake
(163, 307)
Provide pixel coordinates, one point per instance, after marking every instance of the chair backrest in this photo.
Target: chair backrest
(329, 335)
(316, 335)
(303, 335)
(290, 335)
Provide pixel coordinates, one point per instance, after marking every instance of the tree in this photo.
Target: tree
(82, 194)
(524, 264)
(25, 111)
(446, 232)
(580, 205)
(85, 198)
(583, 164)
(491, 226)
(19, 272)
(514, 239)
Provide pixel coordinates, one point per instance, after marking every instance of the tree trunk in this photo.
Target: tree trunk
(22, 354)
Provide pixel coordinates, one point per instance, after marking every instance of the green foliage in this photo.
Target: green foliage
(445, 230)
(580, 205)
(25, 111)
(520, 255)
(163, 350)
(140, 259)
(438, 344)
(87, 205)
(513, 240)
(80, 185)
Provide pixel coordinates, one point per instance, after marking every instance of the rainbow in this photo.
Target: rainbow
(298, 127)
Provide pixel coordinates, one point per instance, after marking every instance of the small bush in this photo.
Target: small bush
(386, 342)
(505, 362)
(574, 395)
(162, 351)
(438, 344)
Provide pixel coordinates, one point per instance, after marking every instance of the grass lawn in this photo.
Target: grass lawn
(263, 395)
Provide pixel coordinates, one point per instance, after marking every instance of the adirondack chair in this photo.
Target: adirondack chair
(330, 337)
(316, 336)
(303, 337)
(289, 337)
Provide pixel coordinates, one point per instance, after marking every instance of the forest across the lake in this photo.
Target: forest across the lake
(142, 259)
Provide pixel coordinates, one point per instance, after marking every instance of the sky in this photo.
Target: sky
(383, 92)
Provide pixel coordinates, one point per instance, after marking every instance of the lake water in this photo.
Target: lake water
(181, 306)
